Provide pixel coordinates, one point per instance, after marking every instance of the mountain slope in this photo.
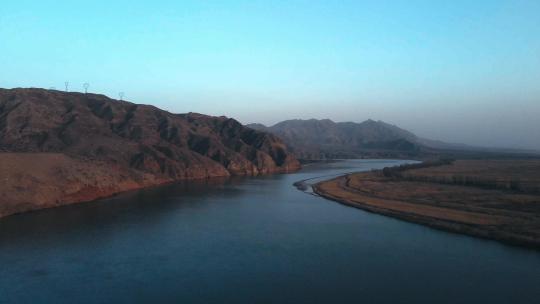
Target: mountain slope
(327, 139)
(98, 146)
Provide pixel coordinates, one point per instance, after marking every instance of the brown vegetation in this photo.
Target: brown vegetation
(484, 203)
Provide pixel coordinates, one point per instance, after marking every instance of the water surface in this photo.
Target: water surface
(250, 240)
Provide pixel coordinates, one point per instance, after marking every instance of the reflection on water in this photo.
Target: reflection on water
(250, 240)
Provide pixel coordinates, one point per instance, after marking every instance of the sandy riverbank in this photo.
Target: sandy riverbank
(507, 216)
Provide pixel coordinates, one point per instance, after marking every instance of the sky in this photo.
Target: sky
(458, 71)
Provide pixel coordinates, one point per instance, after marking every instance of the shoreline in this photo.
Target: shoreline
(59, 194)
(336, 190)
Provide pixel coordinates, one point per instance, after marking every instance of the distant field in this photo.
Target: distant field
(497, 199)
(520, 175)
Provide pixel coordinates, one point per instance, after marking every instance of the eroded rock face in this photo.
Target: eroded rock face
(142, 144)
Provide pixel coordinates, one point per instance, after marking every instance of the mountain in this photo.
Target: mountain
(324, 139)
(58, 148)
(316, 139)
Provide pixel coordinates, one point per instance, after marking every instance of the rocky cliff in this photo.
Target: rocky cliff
(58, 148)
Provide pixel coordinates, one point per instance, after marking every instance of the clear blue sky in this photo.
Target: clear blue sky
(462, 71)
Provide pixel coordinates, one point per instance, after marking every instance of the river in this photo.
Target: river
(250, 240)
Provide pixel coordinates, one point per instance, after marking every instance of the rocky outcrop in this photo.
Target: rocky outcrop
(120, 145)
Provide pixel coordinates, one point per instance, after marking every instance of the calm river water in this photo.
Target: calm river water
(250, 240)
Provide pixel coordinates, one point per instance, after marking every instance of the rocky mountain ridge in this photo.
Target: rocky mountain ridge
(68, 147)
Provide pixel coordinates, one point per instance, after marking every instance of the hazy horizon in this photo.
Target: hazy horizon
(458, 72)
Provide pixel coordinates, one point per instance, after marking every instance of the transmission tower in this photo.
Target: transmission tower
(67, 85)
(121, 95)
(86, 85)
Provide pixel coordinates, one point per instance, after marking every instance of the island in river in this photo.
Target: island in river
(494, 199)
(58, 148)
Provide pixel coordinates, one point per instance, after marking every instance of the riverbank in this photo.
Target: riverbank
(501, 209)
(35, 181)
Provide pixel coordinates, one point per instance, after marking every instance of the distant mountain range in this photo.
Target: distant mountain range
(326, 139)
(320, 139)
